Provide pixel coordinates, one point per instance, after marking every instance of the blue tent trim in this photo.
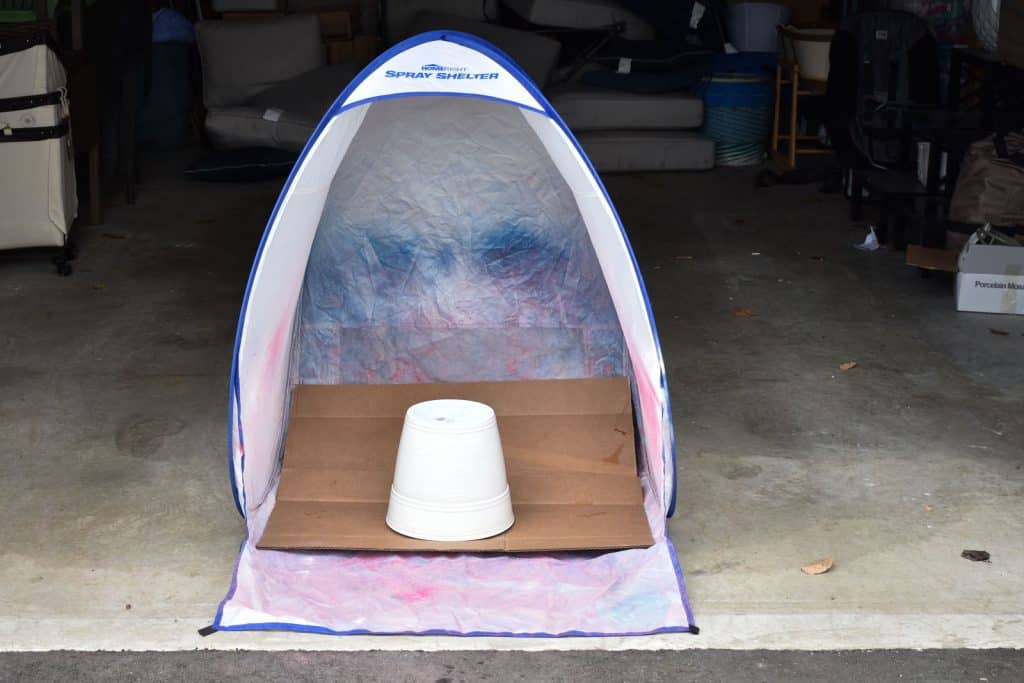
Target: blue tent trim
(340, 105)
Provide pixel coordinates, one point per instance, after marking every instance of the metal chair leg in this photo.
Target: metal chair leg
(778, 108)
(95, 195)
(795, 85)
(856, 195)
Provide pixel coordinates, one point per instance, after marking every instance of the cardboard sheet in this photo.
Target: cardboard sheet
(569, 452)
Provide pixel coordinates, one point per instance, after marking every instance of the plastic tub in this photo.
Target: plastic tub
(450, 482)
(737, 116)
(752, 25)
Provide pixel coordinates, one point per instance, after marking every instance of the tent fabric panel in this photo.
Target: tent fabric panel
(452, 252)
(626, 287)
(333, 354)
(265, 335)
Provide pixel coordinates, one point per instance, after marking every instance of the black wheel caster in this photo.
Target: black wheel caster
(64, 258)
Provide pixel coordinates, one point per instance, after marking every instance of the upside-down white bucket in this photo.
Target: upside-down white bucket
(450, 482)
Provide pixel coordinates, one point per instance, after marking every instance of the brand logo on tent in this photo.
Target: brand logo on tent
(438, 67)
(441, 72)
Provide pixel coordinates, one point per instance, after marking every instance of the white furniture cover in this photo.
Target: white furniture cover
(264, 81)
(243, 58)
(399, 14)
(586, 107)
(245, 5)
(582, 14)
(37, 168)
(535, 54)
(283, 116)
(648, 150)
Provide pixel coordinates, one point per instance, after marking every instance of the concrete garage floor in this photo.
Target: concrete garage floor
(116, 518)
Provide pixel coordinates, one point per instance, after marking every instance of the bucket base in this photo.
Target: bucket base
(456, 522)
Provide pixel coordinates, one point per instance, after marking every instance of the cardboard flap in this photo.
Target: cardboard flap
(932, 259)
(312, 525)
(569, 453)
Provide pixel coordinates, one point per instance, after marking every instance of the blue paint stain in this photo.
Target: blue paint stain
(394, 253)
(513, 252)
(439, 261)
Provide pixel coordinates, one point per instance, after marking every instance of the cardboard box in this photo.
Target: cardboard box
(805, 12)
(1011, 32)
(339, 51)
(335, 24)
(990, 278)
(365, 49)
(360, 49)
(569, 452)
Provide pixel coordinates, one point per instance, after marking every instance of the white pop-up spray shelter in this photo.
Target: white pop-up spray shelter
(443, 225)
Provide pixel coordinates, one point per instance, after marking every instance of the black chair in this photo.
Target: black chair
(882, 96)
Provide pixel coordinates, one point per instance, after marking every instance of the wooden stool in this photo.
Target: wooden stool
(788, 73)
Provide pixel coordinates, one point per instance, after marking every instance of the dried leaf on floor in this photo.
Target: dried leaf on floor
(1001, 333)
(818, 566)
(100, 285)
(848, 365)
(976, 555)
(742, 312)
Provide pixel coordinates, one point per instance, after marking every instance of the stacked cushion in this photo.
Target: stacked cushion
(582, 14)
(591, 108)
(282, 116)
(665, 150)
(535, 54)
